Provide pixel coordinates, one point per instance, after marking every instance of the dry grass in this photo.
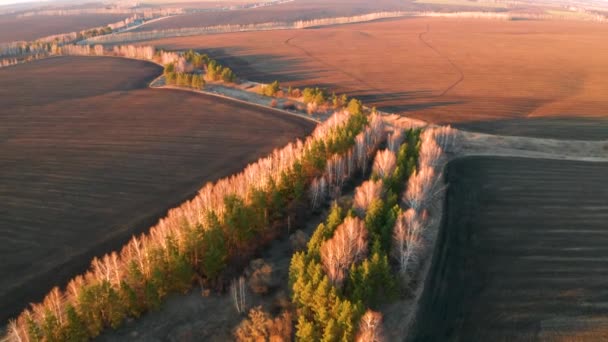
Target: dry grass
(511, 77)
(87, 163)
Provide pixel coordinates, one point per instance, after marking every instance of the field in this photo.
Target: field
(521, 255)
(90, 156)
(288, 12)
(38, 26)
(539, 78)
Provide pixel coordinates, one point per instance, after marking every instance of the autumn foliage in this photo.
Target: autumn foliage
(226, 220)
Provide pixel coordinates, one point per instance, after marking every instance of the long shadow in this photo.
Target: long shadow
(283, 69)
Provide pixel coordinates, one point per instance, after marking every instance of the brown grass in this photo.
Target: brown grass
(38, 26)
(90, 156)
(511, 77)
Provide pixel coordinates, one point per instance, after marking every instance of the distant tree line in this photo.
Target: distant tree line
(194, 31)
(316, 99)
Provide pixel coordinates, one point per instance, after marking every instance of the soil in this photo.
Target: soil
(287, 12)
(532, 78)
(38, 26)
(520, 255)
(90, 156)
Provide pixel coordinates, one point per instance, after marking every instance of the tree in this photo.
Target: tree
(325, 231)
(372, 282)
(347, 246)
(385, 163)
(260, 326)
(366, 193)
(227, 75)
(215, 253)
(198, 82)
(75, 329)
(408, 238)
(355, 106)
(271, 89)
(370, 327)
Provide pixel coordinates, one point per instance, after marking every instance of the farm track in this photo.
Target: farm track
(451, 62)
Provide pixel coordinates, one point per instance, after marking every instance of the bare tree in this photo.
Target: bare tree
(366, 193)
(395, 140)
(408, 239)
(422, 187)
(370, 327)
(347, 246)
(239, 295)
(385, 163)
(318, 191)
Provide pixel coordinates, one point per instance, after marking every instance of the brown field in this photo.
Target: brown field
(288, 12)
(91, 156)
(521, 255)
(38, 26)
(539, 78)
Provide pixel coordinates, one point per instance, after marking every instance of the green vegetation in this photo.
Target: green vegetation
(319, 97)
(195, 79)
(216, 72)
(137, 279)
(330, 312)
(272, 89)
(183, 79)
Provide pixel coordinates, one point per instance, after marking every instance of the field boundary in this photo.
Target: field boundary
(226, 97)
(441, 54)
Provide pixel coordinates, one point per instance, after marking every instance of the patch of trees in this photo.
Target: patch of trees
(217, 72)
(345, 272)
(226, 222)
(271, 89)
(54, 42)
(409, 235)
(191, 69)
(183, 79)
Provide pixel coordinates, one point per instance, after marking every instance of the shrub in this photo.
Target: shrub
(271, 89)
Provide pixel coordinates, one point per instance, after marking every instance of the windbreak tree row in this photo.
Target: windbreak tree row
(206, 236)
(345, 270)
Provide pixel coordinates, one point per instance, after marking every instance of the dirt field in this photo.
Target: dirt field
(90, 156)
(522, 257)
(537, 78)
(292, 11)
(34, 27)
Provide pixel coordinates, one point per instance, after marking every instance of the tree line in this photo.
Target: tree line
(194, 31)
(192, 69)
(316, 99)
(200, 240)
(345, 272)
